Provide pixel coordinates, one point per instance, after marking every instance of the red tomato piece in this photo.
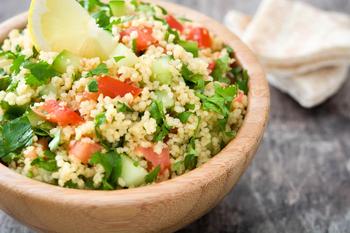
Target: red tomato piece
(112, 87)
(173, 23)
(84, 149)
(162, 159)
(200, 35)
(144, 37)
(211, 66)
(57, 112)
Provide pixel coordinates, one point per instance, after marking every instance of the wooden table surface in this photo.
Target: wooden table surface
(300, 179)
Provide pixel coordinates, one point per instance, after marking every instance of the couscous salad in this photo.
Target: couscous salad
(112, 95)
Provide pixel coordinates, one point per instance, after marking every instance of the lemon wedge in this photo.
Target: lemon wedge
(57, 25)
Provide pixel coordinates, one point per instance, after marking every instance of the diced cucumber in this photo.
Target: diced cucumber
(168, 101)
(129, 59)
(118, 7)
(4, 82)
(37, 121)
(65, 59)
(190, 46)
(49, 90)
(161, 70)
(132, 175)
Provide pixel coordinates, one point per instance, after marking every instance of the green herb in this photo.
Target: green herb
(13, 111)
(10, 157)
(190, 46)
(152, 176)
(192, 80)
(100, 69)
(164, 12)
(134, 46)
(222, 66)
(40, 73)
(70, 184)
(102, 18)
(190, 106)
(183, 19)
(120, 20)
(184, 116)
(112, 164)
(242, 79)
(220, 102)
(191, 159)
(4, 83)
(14, 135)
(39, 125)
(171, 31)
(118, 58)
(8, 55)
(17, 63)
(163, 21)
(91, 5)
(100, 119)
(48, 162)
(157, 112)
(123, 107)
(93, 86)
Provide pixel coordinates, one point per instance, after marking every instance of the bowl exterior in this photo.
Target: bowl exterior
(163, 207)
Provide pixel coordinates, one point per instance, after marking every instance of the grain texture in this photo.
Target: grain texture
(300, 178)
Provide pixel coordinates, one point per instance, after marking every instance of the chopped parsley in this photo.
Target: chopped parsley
(40, 73)
(15, 135)
(184, 116)
(192, 80)
(157, 112)
(48, 162)
(152, 176)
(100, 69)
(93, 86)
(112, 164)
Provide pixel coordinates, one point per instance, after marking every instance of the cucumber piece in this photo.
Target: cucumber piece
(189, 46)
(118, 7)
(65, 59)
(161, 70)
(41, 126)
(132, 175)
(168, 101)
(126, 57)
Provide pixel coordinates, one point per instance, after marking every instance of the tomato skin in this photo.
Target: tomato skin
(112, 87)
(211, 66)
(84, 149)
(56, 112)
(200, 35)
(174, 23)
(162, 159)
(144, 37)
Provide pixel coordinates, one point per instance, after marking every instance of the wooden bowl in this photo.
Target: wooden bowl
(163, 207)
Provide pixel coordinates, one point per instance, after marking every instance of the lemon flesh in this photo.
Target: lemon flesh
(57, 25)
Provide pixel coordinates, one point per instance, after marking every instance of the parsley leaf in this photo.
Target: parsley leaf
(118, 58)
(93, 86)
(102, 18)
(17, 63)
(184, 116)
(192, 80)
(157, 112)
(40, 73)
(241, 78)
(48, 162)
(100, 69)
(112, 164)
(222, 66)
(14, 135)
(152, 176)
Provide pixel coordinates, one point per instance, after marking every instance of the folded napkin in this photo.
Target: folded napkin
(305, 50)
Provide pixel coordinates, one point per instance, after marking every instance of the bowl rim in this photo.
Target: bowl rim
(242, 147)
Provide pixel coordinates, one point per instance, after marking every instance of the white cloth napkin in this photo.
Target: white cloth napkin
(306, 51)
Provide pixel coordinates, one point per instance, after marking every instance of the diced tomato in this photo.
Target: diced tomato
(57, 112)
(112, 87)
(162, 159)
(144, 37)
(173, 23)
(211, 66)
(84, 149)
(239, 97)
(200, 35)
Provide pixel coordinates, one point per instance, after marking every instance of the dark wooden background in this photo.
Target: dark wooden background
(300, 179)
